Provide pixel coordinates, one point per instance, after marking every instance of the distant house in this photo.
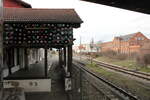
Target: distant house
(79, 48)
(127, 44)
(85, 48)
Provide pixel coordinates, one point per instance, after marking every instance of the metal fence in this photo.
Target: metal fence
(86, 87)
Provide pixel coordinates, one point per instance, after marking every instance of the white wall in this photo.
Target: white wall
(34, 85)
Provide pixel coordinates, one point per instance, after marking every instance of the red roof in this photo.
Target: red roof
(16, 4)
(40, 15)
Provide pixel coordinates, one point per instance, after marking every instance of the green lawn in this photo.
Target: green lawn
(128, 63)
(129, 84)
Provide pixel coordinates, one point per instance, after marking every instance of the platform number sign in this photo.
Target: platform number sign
(68, 84)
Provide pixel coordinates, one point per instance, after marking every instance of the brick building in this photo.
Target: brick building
(145, 48)
(127, 44)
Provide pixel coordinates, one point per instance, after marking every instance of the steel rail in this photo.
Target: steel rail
(123, 70)
(138, 74)
(120, 90)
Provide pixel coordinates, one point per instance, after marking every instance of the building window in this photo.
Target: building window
(139, 38)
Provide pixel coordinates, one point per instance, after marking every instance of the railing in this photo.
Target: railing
(88, 86)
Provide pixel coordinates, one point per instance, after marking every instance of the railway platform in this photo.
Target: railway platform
(57, 88)
(36, 71)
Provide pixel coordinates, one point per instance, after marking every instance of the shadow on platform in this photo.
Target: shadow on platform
(57, 86)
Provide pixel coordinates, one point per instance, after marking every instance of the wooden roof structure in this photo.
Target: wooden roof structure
(41, 15)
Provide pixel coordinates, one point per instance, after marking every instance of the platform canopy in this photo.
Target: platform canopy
(39, 28)
(41, 15)
(134, 5)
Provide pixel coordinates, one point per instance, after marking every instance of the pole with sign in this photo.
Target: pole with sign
(91, 47)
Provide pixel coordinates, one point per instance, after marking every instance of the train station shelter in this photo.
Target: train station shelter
(28, 28)
(40, 28)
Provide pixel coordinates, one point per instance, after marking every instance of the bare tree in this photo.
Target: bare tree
(98, 45)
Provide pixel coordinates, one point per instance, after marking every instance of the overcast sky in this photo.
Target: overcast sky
(100, 22)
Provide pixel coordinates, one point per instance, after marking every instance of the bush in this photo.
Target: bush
(121, 56)
(109, 53)
(133, 55)
(143, 59)
(114, 55)
(146, 59)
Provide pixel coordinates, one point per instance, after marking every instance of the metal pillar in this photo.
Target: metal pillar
(60, 57)
(46, 67)
(69, 59)
(64, 56)
(22, 58)
(18, 57)
(9, 60)
(36, 56)
(1, 48)
(26, 59)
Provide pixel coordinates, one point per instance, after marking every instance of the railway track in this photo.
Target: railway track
(125, 95)
(138, 74)
(126, 71)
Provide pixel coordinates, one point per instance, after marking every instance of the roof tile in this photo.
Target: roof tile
(46, 15)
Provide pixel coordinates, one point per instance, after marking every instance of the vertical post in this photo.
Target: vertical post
(15, 57)
(70, 59)
(80, 84)
(60, 57)
(1, 47)
(80, 47)
(36, 50)
(45, 62)
(26, 60)
(9, 60)
(18, 57)
(65, 56)
(22, 59)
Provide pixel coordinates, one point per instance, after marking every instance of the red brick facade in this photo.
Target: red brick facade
(127, 44)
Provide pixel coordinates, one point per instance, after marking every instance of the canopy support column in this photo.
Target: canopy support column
(69, 59)
(46, 67)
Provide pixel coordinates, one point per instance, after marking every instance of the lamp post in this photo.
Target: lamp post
(80, 48)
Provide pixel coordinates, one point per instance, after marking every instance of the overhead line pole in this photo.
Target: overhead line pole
(80, 47)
